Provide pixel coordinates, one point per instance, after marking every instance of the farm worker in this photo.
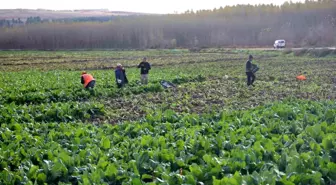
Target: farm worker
(87, 80)
(301, 77)
(145, 67)
(249, 68)
(120, 74)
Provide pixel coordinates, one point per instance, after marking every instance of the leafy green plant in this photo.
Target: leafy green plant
(176, 148)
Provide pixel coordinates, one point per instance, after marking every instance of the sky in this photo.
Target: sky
(145, 6)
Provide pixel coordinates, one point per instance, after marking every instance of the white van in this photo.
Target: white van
(279, 44)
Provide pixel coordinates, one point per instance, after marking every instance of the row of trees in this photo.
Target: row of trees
(86, 19)
(4, 23)
(312, 23)
(36, 20)
(10, 23)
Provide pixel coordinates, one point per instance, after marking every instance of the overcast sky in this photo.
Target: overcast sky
(147, 6)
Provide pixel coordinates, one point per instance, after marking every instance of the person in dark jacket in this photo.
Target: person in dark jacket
(249, 71)
(145, 67)
(120, 75)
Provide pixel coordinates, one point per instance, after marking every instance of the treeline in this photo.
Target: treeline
(312, 23)
(87, 19)
(10, 23)
(35, 20)
(5, 23)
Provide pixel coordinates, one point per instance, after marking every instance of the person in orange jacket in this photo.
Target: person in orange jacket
(301, 77)
(87, 80)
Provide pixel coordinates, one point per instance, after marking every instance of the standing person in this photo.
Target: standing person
(120, 76)
(249, 71)
(87, 80)
(145, 67)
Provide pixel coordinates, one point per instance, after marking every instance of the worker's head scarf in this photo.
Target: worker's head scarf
(119, 66)
(250, 57)
(83, 72)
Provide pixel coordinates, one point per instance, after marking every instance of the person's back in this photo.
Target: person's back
(87, 80)
(301, 77)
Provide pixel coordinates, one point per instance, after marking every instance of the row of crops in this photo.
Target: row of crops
(211, 129)
(282, 143)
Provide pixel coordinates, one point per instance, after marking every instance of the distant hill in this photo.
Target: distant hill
(61, 14)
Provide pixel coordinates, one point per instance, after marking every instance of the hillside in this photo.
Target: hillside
(308, 24)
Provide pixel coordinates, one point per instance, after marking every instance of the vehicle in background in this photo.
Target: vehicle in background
(279, 44)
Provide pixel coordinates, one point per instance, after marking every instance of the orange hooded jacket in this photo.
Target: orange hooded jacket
(87, 79)
(301, 77)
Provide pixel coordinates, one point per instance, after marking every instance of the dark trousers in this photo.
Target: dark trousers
(91, 84)
(250, 78)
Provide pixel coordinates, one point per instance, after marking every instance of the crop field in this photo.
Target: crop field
(210, 129)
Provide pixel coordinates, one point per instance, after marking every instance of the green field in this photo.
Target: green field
(211, 129)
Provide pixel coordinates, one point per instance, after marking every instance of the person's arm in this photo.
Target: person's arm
(139, 65)
(149, 66)
(82, 80)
